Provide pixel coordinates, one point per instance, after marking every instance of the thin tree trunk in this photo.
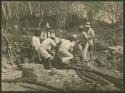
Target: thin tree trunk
(61, 15)
(16, 10)
(65, 17)
(69, 16)
(9, 13)
(17, 15)
(90, 10)
(59, 19)
(4, 11)
(25, 10)
(69, 19)
(41, 18)
(8, 6)
(42, 15)
(30, 6)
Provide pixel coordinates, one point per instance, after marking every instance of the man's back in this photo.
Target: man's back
(47, 43)
(65, 44)
(91, 33)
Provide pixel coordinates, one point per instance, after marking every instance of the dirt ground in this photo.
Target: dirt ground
(64, 79)
(22, 87)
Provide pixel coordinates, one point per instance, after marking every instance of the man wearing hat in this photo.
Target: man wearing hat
(90, 38)
(82, 36)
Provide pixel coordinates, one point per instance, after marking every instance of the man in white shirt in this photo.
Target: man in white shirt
(90, 38)
(45, 48)
(82, 36)
(65, 48)
(35, 44)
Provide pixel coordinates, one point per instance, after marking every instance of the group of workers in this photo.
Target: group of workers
(48, 45)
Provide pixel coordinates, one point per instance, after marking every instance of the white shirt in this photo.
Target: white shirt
(91, 33)
(35, 41)
(47, 43)
(85, 34)
(57, 40)
(66, 44)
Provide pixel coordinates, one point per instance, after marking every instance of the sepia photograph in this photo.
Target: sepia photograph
(62, 46)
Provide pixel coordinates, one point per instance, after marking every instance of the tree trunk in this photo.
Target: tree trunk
(59, 19)
(65, 19)
(4, 11)
(17, 15)
(41, 14)
(30, 6)
(90, 12)
(9, 13)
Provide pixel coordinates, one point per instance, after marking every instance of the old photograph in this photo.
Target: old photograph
(62, 45)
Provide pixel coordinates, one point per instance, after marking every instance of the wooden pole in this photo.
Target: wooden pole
(9, 55)
(11, 46)
(4, 11)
